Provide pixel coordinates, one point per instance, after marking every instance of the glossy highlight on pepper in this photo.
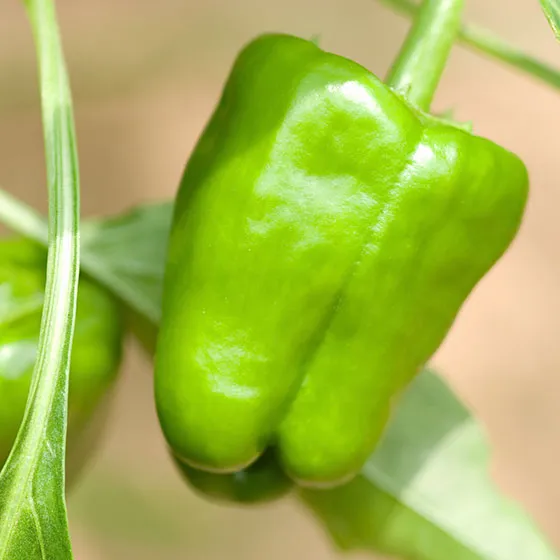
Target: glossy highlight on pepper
(326, 233)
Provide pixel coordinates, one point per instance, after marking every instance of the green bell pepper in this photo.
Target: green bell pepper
(326, 233)
(96, 351)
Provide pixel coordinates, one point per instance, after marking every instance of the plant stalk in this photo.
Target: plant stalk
(419, 65)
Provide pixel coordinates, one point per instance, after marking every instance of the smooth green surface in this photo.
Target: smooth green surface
(325, 235)
(33, 520)
(96, 353)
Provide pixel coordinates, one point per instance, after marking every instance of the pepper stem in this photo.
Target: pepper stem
(418, 68)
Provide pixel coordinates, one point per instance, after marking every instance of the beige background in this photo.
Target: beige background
(146, 75)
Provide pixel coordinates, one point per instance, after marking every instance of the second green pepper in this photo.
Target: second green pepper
(96, 350)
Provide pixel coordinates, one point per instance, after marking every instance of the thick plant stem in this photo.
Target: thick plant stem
(418, 68)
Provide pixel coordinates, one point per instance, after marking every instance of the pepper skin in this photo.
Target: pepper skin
(96, 350)
(326, 233)
(261, 482)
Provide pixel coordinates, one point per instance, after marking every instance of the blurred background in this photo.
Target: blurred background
(145, 77)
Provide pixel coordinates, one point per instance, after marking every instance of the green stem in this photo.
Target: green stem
(418, 68)
(486, 43)
(33, 518)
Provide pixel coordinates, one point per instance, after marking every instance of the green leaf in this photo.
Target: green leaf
(551, 9)
(488, 44)
(33, 521)
(127, 254)
(426, 493)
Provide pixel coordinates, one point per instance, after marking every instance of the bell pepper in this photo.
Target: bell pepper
(326, 233)
(96, 350)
